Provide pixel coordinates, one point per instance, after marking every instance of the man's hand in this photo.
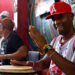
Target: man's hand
(27, 63)
(37, 37)
(33, 64)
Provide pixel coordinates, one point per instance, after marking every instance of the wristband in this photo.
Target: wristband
(44, 47)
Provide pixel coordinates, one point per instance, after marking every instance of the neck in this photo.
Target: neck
(69, 35)
(6, 35)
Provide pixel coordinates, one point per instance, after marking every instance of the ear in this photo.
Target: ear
(72, 15)
(54, 26)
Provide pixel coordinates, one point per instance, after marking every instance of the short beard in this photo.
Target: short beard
(63, 33)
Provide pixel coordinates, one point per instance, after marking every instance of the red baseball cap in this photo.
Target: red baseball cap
(59, 8)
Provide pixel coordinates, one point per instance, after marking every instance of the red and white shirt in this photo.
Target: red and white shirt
(66, 49)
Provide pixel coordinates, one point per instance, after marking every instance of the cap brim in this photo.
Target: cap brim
(48, 17)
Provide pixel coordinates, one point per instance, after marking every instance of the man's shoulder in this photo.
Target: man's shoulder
(14, 35)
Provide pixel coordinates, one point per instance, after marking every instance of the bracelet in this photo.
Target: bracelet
(45, 46)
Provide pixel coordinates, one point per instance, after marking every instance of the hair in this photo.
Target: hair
(8, 23)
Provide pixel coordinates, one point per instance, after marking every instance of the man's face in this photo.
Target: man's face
(63, 23)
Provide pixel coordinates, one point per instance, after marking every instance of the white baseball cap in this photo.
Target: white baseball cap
(4, 14)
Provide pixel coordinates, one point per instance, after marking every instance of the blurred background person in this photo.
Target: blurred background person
(3, 15)
(12, 47)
